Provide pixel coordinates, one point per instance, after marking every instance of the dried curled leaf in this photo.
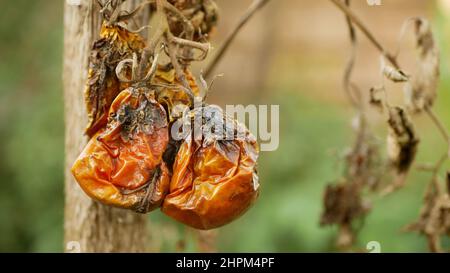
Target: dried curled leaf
(422, 90)
(123, 165)
(214, 180)
(376, 96)
(434, 220)
(394, 74)
(364, 165)
(115, 44)
(343, 204)
(401, 141)
(203, 15)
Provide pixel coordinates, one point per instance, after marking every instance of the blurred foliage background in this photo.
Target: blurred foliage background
(291, 54)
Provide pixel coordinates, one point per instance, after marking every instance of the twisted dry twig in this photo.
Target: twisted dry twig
(352, 16)
(254, 7)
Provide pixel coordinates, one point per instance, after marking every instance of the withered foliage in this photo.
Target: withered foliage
(376, 97)
(395, 75)
(364, 162)
(344, 202)
(401, 141)
(421, 90)
(434, 220)
(202, 14)
(115, 44)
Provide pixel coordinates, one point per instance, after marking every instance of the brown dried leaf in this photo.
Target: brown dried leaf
(376, 97)
(363, 161)
(448, 182)
(203, 15)
(401, 141)
(434, 220)
(395, 75)
(342, 203)
(116, 43)
(420, 93)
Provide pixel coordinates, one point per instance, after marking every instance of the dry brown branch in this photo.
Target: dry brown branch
(355, 19)
(254, 7)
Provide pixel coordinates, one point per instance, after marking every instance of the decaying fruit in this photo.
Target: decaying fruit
(115, 44)
(131, 161)
(214, 180)
(123, 164)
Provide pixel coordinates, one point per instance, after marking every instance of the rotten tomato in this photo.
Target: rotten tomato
(214, 178)
(123, 165)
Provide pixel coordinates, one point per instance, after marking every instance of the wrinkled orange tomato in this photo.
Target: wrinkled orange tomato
(122, 165)
(115, 44)
(214, 180)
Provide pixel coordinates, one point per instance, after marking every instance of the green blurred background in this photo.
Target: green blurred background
(291, 54)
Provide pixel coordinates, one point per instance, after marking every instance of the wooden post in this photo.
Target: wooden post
(89, 226)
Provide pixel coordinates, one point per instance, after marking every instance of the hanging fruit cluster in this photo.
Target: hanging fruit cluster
(132, 160)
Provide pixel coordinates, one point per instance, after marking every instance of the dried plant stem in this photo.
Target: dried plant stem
(189, 43)
(446, 136)
(439, 125)
(349, 13)
(254, 7)
(348, 87)
(173, 59)
(437, 168)
(171, 41)
(189, 29)
(390, 57)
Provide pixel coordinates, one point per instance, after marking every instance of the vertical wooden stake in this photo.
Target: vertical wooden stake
(89, 226)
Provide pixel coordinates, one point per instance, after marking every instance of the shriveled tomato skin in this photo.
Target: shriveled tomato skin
(126, 172)
(213, 183)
